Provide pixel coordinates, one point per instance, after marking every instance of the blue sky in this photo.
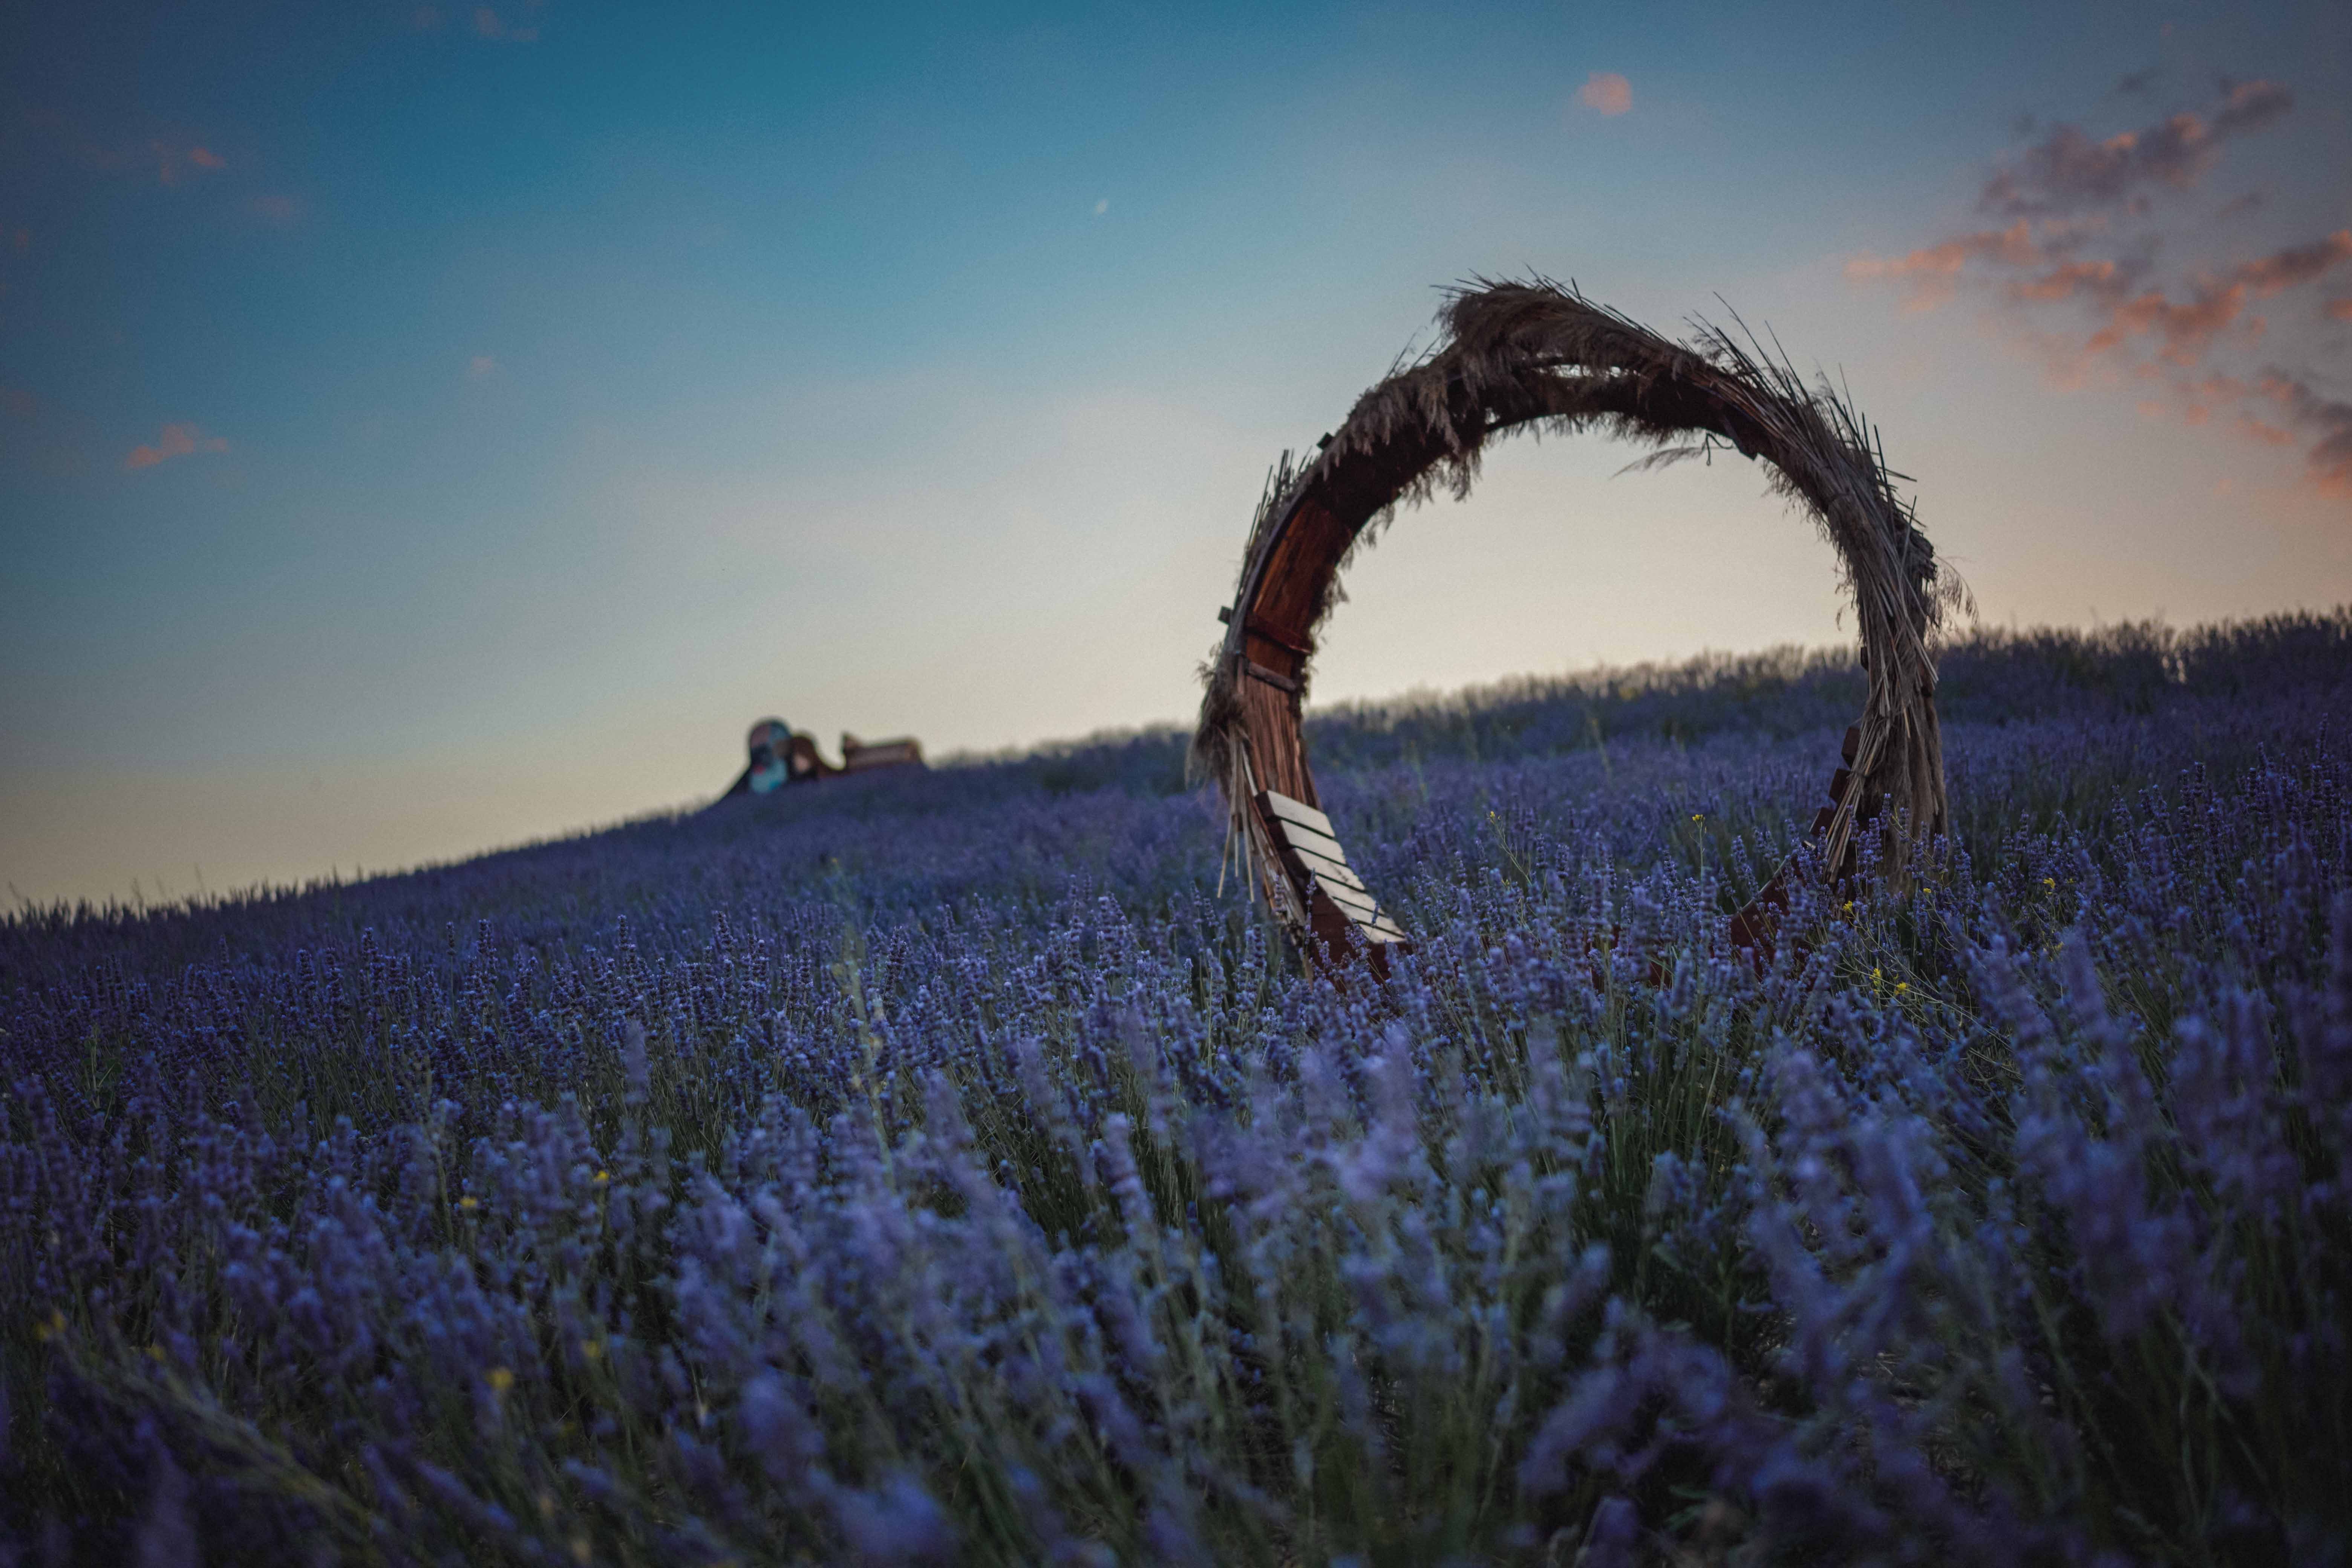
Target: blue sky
(424, 428)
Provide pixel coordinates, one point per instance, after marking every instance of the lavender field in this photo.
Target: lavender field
(945, 1169)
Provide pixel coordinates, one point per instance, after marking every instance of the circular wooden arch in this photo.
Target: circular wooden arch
(1539, 355)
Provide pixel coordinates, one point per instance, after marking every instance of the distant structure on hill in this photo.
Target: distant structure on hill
(780, 757)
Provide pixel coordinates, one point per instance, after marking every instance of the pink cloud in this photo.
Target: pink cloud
(2187, 330)
(2250, 106)
(2100, 278)
(171, 159)
(2296, 263)
(280, 211)
(1606, 92)
(2326, 421)
(481, 367)
(2013, 244)
(2215, 304)
(1932, 269)
(487, 24)
(176, 441)
(16, 402)
(2082, 242)
(2070, 170)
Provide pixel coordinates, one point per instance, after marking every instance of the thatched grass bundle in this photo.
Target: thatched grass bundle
(1535, 355)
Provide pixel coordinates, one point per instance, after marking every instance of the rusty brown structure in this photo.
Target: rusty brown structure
(1537, 355)
(785, 756)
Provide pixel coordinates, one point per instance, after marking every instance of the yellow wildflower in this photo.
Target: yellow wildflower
(500, 1380)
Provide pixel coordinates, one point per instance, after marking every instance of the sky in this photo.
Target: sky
(424, 428)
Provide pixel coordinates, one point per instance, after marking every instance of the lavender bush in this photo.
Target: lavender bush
(943, 1169)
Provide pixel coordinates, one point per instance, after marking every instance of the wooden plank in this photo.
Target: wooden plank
(1351, 898)
(1258, 625)
(1325, 871)
(1310, 842)
(1375, 927)
(1853, 742)
(1359, 905)
(1268, 654)
(1282, 806)
(1273, 678)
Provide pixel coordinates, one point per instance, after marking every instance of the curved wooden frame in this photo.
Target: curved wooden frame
(1536, 354)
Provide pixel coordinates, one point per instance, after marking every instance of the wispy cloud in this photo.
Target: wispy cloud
(488, 23)
(481, 367)
(2296, 263)
(2186, 330)
(1606, 92)
(2326, 421)
(2074, 272)
(1932, 269)
(176, 441)
(172, 160)
(279, 211)
(2070, 171)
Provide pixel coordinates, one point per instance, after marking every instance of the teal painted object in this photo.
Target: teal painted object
(770, 741)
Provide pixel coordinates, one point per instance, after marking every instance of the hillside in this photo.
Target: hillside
(957, 1167)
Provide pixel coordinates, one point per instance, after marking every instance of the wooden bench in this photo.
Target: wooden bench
(1339, 905)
